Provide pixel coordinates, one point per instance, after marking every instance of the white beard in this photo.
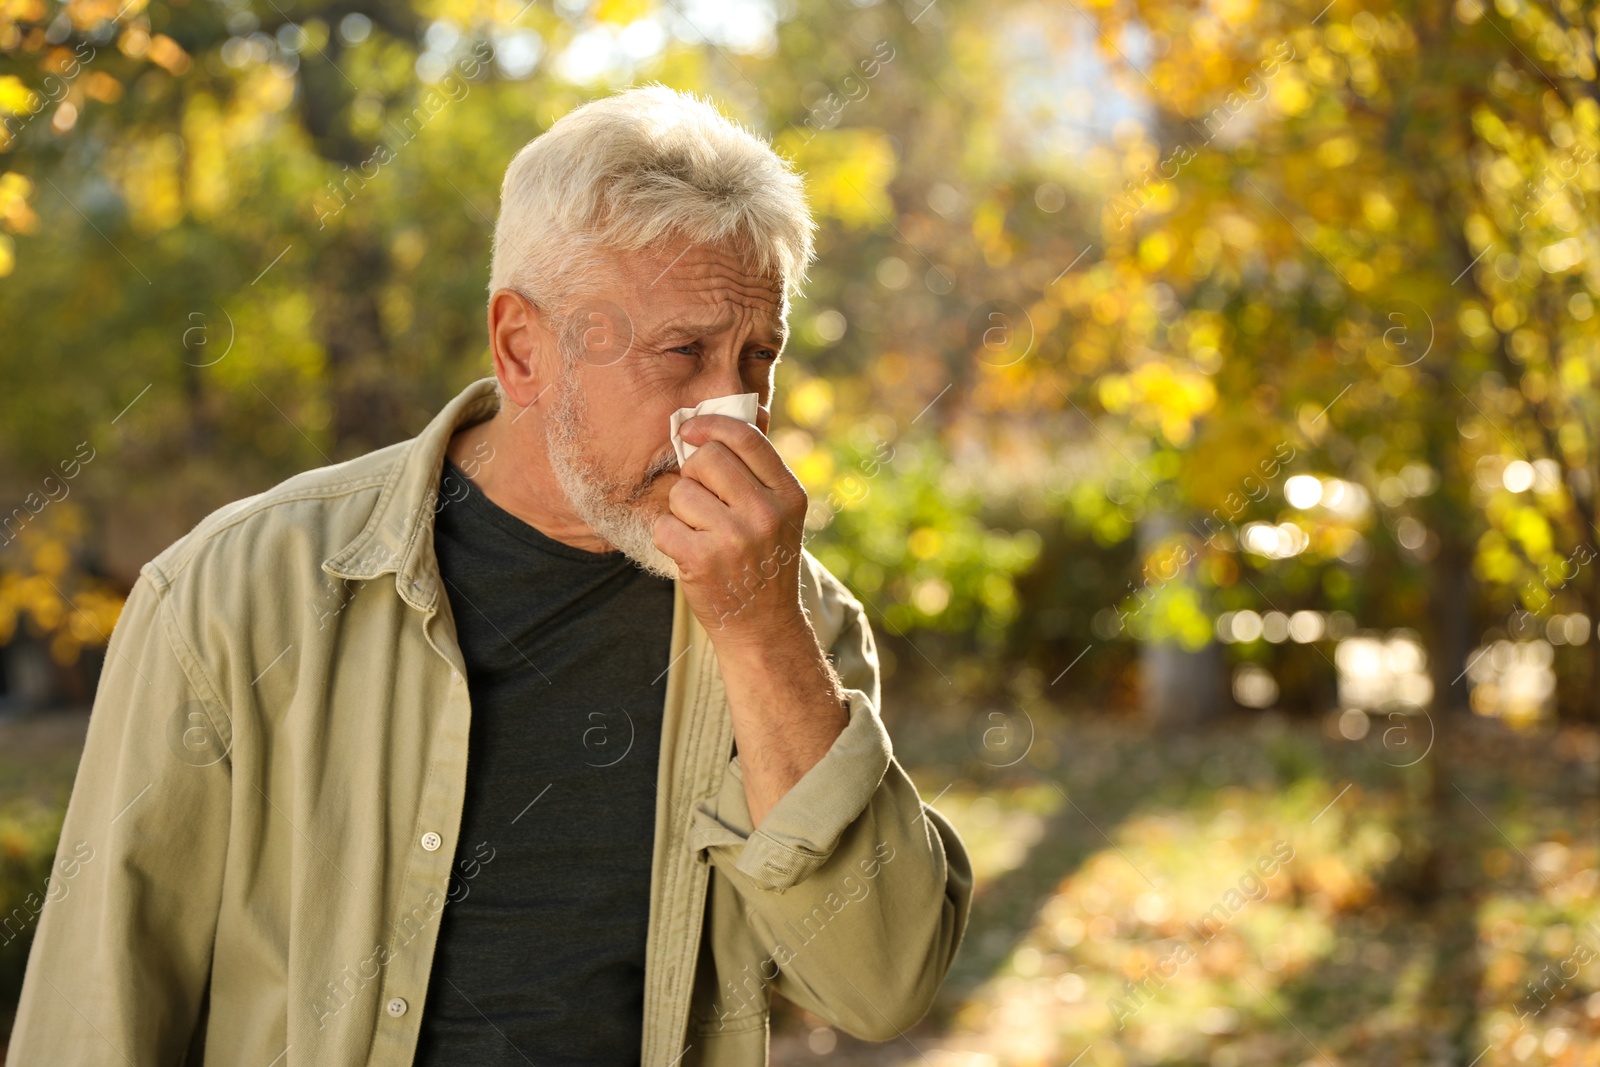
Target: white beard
(611, 508)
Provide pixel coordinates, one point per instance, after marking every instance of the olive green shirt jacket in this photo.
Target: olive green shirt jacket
(260, 838)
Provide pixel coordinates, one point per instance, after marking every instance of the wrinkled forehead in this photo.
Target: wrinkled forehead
(714, 286)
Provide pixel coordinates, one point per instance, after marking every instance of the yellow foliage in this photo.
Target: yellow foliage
(814, 470)
(1155, 250)
(167, 53)
(51, 559)
(205, 134)
(1116, 393)
(847, 172)
(988, 228)
(621, 12)
(811, 402)
(87, 14)
(134, 42)
(1338, 151)
(1575, 374)
(265, 93)
(1529, 527)
(1160, 394)
(1289, 93)
(924, 542)
(1378, 209)
(151, 183)
(38, 582)
(1107, 308)
(103, 87)
(1234, 12)
(15, 96)
(21, 11)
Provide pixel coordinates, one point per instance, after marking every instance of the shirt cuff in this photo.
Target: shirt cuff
(801, 831)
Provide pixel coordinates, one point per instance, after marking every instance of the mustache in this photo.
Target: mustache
(664, 463)
(667, 461)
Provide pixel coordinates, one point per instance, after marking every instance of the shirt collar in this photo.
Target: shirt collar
(399, 535)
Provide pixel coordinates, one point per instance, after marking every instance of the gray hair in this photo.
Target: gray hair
(634, 169)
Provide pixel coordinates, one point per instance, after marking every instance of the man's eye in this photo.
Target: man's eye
(765, 353)
(688, 350)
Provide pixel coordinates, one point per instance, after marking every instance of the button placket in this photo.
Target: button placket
(411, 969)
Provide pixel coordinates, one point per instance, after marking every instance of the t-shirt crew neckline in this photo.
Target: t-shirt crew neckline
(478, 503)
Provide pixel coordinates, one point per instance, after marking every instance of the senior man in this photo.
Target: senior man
(519, 741)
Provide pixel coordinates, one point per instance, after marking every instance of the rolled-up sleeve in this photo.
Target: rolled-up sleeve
(803, 828)
(860, 890)
(121, 958)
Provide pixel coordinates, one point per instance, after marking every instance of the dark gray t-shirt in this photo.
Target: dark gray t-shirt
(541, 946)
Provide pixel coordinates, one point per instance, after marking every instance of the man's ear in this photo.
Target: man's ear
(526, 356)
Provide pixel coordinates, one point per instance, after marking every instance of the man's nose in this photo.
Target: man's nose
(721, 379)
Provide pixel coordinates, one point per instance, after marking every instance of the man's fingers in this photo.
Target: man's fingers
(696, 505)
(744, 441)
(715, 466)
(672, 535)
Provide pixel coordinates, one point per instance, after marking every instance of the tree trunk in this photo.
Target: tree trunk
(1178, 688)
(367, 393)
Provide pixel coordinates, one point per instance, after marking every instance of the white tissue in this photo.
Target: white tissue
(741, 406)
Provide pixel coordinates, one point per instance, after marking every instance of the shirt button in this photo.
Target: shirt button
(455, 676)
(397, 1007)
(431, 841)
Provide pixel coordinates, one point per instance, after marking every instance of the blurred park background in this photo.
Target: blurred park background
(1199, 393)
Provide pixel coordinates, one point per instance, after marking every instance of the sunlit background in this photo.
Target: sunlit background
(1198, 393)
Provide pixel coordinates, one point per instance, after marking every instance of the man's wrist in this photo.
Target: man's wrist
(790, 636)
(793, 650)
